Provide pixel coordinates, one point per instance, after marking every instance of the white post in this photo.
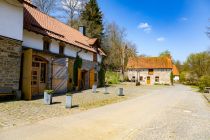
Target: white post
(106, 90)
(121, 92)
(68, 101)
(94, 88)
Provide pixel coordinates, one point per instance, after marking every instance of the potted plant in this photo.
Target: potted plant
(48, 96)
(69, 100)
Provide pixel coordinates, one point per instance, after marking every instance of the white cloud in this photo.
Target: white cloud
(184, 19)
(145, 27)
(161, 39)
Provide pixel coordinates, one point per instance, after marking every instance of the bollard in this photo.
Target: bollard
(68, 101)
(94, 88)
(46, 98)
(121, 92)
(106, 90)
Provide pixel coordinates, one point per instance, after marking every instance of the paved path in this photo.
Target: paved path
(172, 113)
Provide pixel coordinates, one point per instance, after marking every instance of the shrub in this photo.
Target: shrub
(101, 76)
(112, 77)
(77, 65)
(204, 81)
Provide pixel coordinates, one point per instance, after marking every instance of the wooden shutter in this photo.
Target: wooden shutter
(92, 74)
(26, 79)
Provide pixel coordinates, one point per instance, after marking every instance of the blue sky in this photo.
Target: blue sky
(157, 25)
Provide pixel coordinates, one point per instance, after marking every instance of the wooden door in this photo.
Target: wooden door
(92, 77)
(35, 78)
(38, 75)
(148, 80)
(60, 75)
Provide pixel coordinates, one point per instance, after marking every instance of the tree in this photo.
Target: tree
(166, 53)
(117, 47)
(178, 65)
(199, 64)
(46, 6)
(73, 9)
(92, 19)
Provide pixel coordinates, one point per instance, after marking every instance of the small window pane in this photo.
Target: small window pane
(43, 73)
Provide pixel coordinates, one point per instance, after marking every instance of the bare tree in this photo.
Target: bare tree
(73, 8)
(119, 49)
(46, 6)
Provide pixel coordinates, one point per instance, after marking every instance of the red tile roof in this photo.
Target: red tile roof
(175, 70)
(38, 22)
(149, 62)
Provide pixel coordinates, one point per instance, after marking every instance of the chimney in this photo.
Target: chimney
(82, 30)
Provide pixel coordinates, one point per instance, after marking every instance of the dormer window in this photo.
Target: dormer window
(61, 50)
(46, 44)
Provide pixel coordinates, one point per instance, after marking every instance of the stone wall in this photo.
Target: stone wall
(163, 74)
(10, 61)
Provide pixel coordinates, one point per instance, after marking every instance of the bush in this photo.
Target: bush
(112, 77)
(204, 81)
(101, 76)
(77, 65)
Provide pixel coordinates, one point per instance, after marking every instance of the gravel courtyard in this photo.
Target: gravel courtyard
(16, 113)
(167, 113)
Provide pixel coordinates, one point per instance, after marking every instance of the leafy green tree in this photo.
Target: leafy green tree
(204, 81)
(199, 64)
(166, 53)
(92, 19)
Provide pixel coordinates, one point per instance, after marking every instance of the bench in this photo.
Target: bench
(5, 92)
(207, 90)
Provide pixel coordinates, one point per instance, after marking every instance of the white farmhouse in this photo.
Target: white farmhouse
(37, 52)
(150, 70)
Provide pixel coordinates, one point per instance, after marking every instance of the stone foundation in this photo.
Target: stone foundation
(10, 61)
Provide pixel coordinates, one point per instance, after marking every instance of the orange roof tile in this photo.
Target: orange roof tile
(149, 62)
(38, 22)
(175, 70)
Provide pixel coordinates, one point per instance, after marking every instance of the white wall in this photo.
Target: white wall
(86, 55)
(54, 47)
(163, 74)
(99, 58)
(32, 40)
(71, 51)
(35, 41)
(11, 20)
(176, 78)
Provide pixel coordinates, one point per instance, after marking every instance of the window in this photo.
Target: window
(46, 46)
(43, 73)
(157, 79)
(61, 49)
(94, 57)
(151, 72)
(141, 78)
